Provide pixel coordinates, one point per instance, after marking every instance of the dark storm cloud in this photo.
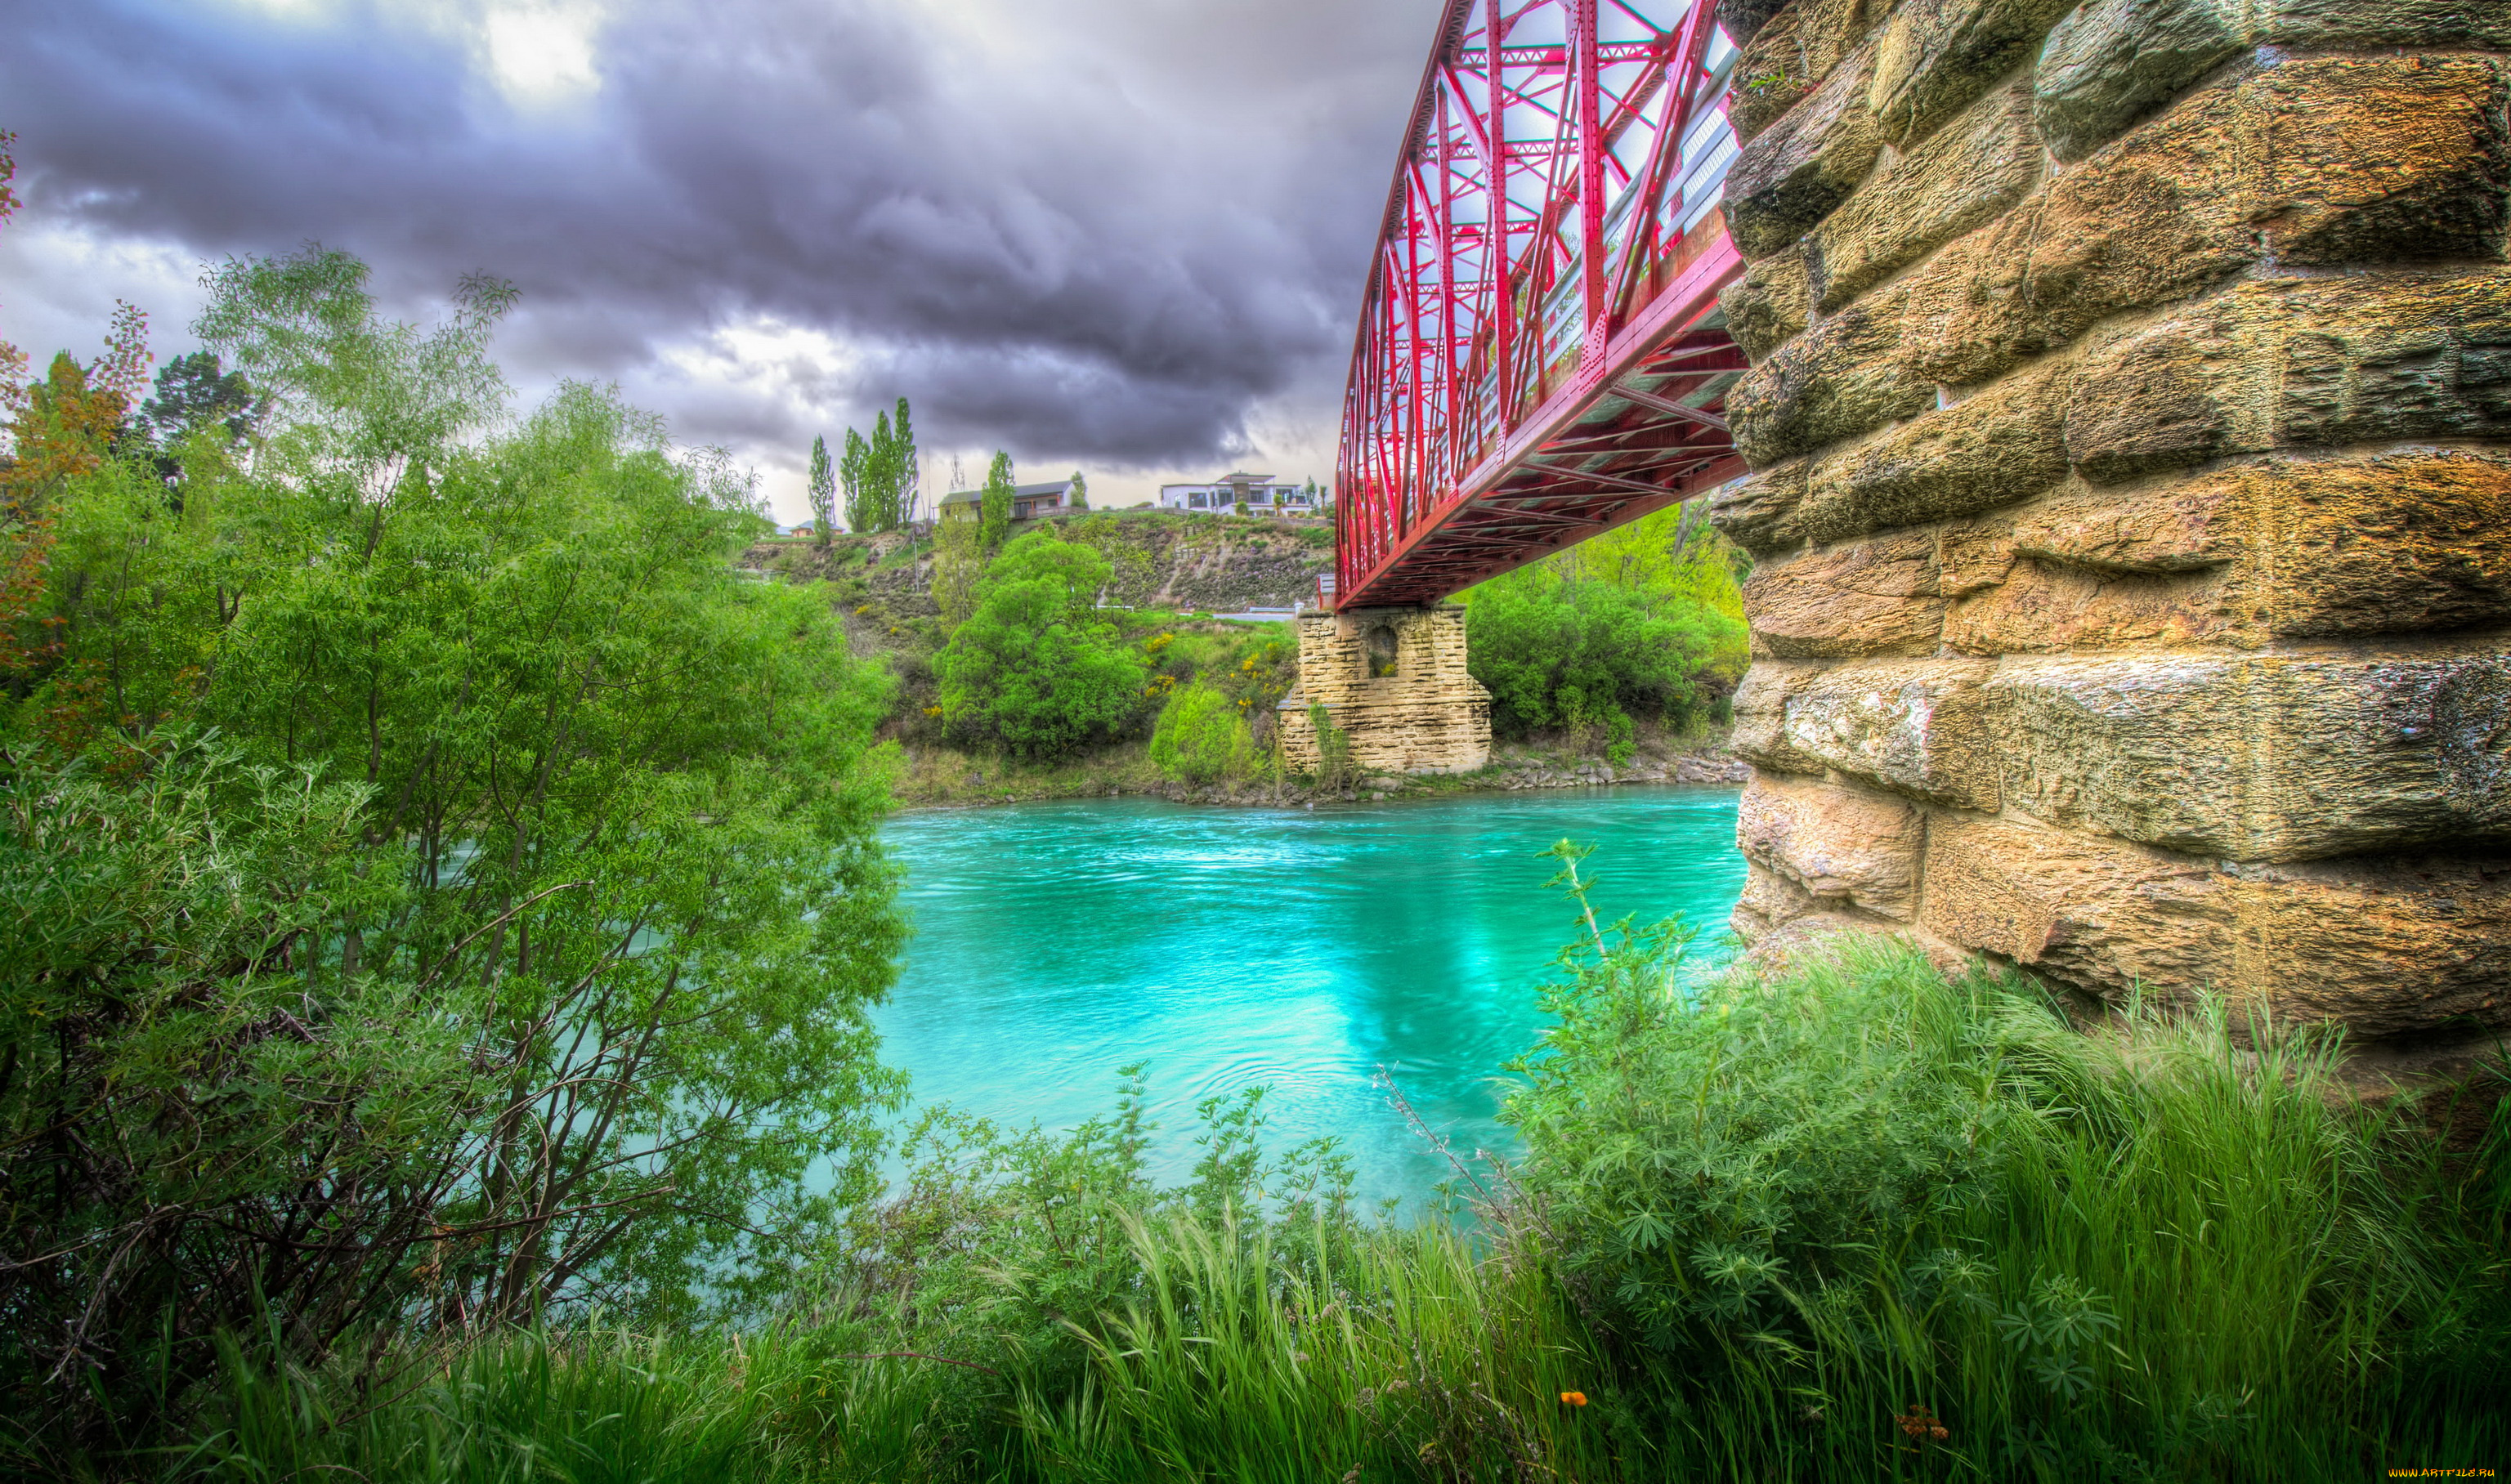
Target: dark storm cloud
(1111, 241)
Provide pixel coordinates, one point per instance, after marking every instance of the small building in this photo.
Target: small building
(803, 530)
(1029, 501)
(1261, 494)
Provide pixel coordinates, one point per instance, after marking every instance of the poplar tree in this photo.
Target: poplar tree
(880, 474)
(880, 501)
(854, 470)
(1080, 491)
(910, 468)
(957, 559)
(996, 510)
(824, 491)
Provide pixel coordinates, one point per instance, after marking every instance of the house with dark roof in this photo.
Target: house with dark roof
(1029, 501)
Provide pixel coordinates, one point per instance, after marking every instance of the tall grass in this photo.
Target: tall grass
(1857, 1222)
(1808, 1206)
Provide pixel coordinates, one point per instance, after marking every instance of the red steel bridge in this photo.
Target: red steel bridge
(1540, 355)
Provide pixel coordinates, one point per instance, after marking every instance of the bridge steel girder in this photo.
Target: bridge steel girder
(1529, 371)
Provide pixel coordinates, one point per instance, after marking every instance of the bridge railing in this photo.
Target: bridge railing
(1560, 176)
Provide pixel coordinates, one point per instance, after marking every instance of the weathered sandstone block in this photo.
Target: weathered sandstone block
(2298, 363)
(2174, 208)
(1792, 174)
(2284, 548)
(1917, 728)
(2395, 946)
(1745, 19)
(1769, 902)
(2004, 444)
(1769, 305)
(2112, 62)
(2389, 946)
(2266, 758)
(1753, 512)
(1934, 57)
(2098, 913)
(1791, 56)
(2325, 160)
(1848, 376)
(1836, 845)
(2390, 159)
(1880, 597)
(1966, 175)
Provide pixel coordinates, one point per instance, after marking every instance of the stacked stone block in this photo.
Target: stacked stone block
(2131, 425)
(1429, 716)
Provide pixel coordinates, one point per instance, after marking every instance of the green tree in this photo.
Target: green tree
(880, 474)
(994, 520)
(13, 361)
(1643, 621)
(194, 394)
(824, 492)
(1201, 737)
(855, 473)
(1080, 491)
(958, 562)
(1035, 670)
(1562, 653)
(906, 470)
(507, 953)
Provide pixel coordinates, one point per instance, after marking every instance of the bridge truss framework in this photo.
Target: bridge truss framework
(1539, 356)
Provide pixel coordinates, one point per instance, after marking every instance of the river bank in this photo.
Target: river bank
(934, 777)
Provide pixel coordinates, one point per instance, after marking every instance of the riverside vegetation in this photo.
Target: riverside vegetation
(1623, 652)
(440, 904)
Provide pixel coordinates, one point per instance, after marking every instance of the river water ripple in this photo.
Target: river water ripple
(1294, 949)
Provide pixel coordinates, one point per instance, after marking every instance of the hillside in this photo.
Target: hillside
(1186, 562)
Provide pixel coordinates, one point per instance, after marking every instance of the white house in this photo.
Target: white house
(1261, 494)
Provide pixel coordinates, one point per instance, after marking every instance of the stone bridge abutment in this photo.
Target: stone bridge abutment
(2131, 418)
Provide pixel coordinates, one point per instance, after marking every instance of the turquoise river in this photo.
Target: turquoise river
(1298, 950)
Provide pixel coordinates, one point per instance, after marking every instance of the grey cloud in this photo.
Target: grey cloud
(1112, 252)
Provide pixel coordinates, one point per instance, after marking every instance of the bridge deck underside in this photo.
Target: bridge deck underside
(1614, 459)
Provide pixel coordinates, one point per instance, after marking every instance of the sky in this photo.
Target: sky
(1126, 237)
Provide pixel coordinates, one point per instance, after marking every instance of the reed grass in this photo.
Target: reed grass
(2171, 1253)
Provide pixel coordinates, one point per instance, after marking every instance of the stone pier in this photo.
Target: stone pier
(2131, 419)
(1393, 679)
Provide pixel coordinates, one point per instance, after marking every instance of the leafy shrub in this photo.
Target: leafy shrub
(1803, 1203)
(1202, 738)
(1335, 769)
(1559, 653)
(1036, 670)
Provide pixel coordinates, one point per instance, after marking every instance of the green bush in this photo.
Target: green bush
(1803, 1205)
(1202, 737)
(1561, 653)
(1036, 669)
(1334, 770)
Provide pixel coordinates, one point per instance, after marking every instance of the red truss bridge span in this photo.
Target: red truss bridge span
(1540, 355)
